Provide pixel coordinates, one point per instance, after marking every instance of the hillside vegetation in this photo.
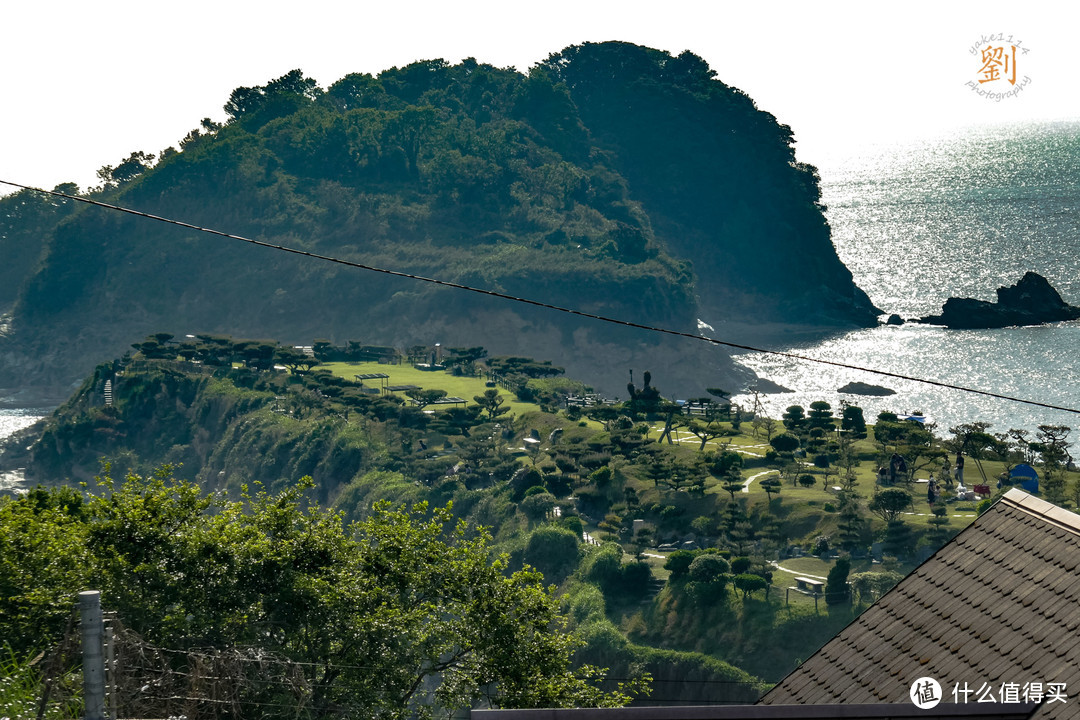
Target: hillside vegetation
(611, 178)
(675, 538)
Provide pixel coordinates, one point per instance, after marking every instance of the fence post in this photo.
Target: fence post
(93, 661)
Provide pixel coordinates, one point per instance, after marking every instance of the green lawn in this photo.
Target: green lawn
(463, 387)
(960, 513)
(781, 581)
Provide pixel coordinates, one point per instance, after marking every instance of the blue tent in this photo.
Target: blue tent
(1026, 476)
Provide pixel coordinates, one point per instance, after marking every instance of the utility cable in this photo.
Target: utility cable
(537, 303)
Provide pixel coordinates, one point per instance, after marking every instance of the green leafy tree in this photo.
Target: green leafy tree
(898, 539)
(848, 460)
(1052, 446)
(673, 418)
(749, 583)
(678, 564)
(130, 168)
(536, 507)
(890, 503)
(794, 418)
(919, 448)
(724, 462)
(940, 523)
(766, 424)
(725, 399)
(741, 536)
(491, 402)
(851, 420)
(43, 561)
(407, 131)
(464, 359)
(703, 526)
(705, 431)
(820, 416)
(423, 398)
(771, 486)
(836, 586)
(741, 564)
(277, 98)
(369, 614)
(619, 581)
(294, 360)
(889, 434)
(733, 485)
(573, 524)
(973, 440)
(708, 567)
(851, 528)
(511, 366)
(784, 443)
(554, 551)
(707, 578)
(458, 420)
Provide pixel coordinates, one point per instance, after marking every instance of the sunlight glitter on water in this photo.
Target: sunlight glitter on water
(959, 216)
(956, 216)
(1021, 362)
(11, 421)
(14, 419)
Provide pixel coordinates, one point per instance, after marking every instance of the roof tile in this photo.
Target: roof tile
(994, 605)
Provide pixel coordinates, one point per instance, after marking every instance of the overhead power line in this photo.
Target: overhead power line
(538, 303)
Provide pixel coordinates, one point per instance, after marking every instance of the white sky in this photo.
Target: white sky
(86, 83)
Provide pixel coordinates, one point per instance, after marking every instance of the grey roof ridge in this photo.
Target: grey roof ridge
(1046, 510)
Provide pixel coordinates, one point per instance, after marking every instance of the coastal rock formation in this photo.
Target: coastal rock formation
(861, 388)
(1031, 301)
(769, 387)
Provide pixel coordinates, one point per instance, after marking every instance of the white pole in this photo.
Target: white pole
(110, 671)
(93, 660)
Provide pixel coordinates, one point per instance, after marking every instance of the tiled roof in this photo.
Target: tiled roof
(998, 606)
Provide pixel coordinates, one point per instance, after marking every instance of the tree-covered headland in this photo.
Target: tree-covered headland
(612, 178)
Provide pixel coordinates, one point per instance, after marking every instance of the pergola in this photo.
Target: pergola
(383, 379)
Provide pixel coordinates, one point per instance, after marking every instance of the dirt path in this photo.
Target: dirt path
(752, 478)
(778, 566)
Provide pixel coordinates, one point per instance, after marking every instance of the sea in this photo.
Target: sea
(13, 419)
(959, 214)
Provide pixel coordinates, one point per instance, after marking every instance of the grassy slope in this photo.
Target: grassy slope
(735, 630)
(802, 509)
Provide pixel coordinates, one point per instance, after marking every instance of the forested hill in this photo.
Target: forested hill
(612, 178)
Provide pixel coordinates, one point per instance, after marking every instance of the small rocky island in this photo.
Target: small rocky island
(1031, 301)
(861, 388)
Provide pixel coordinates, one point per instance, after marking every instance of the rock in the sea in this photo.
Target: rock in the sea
(894, 319)
(1031, 301)
(764, 385)
(861, 388)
